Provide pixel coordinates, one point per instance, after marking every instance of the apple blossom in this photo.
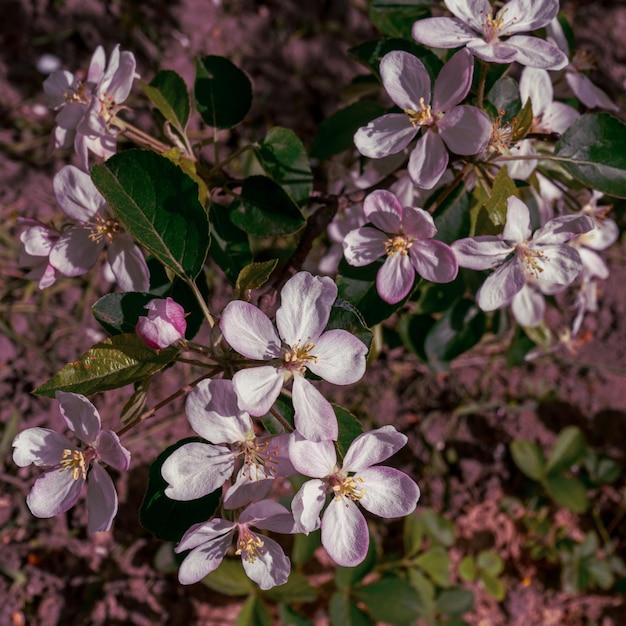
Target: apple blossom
(334, 355)
(263, 559)
(475, 27)
(164, 325)
(36, 244)
(196, 468)
(79, 247)
(69, 467)
(447, 126)
(384, 491)
(404, 236)
(519, 258)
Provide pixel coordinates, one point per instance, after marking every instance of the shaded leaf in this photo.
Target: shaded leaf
(230, 579)
(391, 600)
(570, 448)
(168, 92)
(567, 492)
(254, 276)
(529, 458)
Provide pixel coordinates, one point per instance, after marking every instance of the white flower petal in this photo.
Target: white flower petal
(388, 492)
(76, 194)
(270, 567)
(395, 278)
(75, 253)
(110, 450)
(314, 416)
(257, 388)
(128, 265)
(528, 307)
(80, 415)
(364, 245)
(344, 533)
(101, 500)
(340, 357)
(41, 446)
(313, 458)
(383, 210)
(499, 288)
(443, 32)
(307, 505)
(405, 79)
(388, 134)
(428, 160)
(373, 447)
(54, 492)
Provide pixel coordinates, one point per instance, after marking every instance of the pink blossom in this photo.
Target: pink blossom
(404, 236)
(79, 247)
(197, 469)
(447, 126)
(543, 259)
(263, 559)
(69, 467)
(475, 27)
(164, 325)
(300, 344)
(384, 491)
(36, 245)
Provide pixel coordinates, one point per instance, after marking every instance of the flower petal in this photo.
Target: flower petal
(588, 93)
(428, 161)
(388, 134)
(41, 446)
(204, 558)
(562, 229)
(405, 79)
(517, 227)
(76, 194)
(268, 515)
(481, 253)
(257, 388)
(395, 278)
(383, 209)
(527, 15)
(434, 260)
(373, 447)
(499, 288)
(561, 264)
(418, 223)
(249, 331)
(454, 81)
(75, 253)
(443, 32)
(196, 469)
(54, 492)
(305, 303)
(307, 505)
(536, 52)
(344, 533)
(247, 488)
(128, 265)
(340, 357)
(213, 411)
(364, 245)
(313, 458)
(314, 416)
(465, 129)
(80, 415)
(388, 492)
(101, 499)
(528, 307)
(270, 567)
(205, 532)
(111, 451)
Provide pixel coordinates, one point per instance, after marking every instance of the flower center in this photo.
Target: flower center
(493, 26)
(74, 461)
(78, 94)
(421, 117)
(259, 458)
(102, 228)
(398, 244)
(298, 356)
(530, 258)
(107, 106)
(584, 59)
(249, 545)
(347, 487)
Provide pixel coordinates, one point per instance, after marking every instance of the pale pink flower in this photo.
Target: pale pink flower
(300, 344)
(164, 325)
(79, 247)
(475, 27)
(263, 559)
(197, 469)
(69, 467)
(521, 257)
(462, 129)
(404, 236)
(36, 244)
(384, 491)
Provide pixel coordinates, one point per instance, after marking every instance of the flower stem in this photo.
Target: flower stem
(138, 136)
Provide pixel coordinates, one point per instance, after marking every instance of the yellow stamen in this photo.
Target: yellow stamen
(398, 244)
(529, 258)
(298, 356)
(251, 544)
(102, 229)
(348, 487)
(421, 117)
(74, 461)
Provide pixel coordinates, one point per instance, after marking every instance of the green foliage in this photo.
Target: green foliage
(168, 92)
(169, 519)
(115, 362)
(395, 18)
(157, 203)
(222, 91)
(254, 276)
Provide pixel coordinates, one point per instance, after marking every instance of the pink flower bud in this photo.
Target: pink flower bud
(164, 325)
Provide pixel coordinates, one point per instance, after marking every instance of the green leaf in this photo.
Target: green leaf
(230, 579)
(254, 613)
(592, 151)
(413, 330)
(505, 97)
(438, 527)
(346, 577)
(451, 215)
(222, 91)
(267, 210)
(118, 312)
(436, 563)
(115, 362)
(283, 157)
(460, 328)
(489, 217)
(168, 92)
(230, 246)
(567, 492)
(529, 458)
(345, 316)
(289, 617)
(349, 428)
(136, 404)
(357, 285)
(455, 601)
(304, 546)
(395, 18)
(254, 276)
(335, 134)
(467, 568)
(490, 562)
(296, 589)
(570, 448)
(523, 122)
(370, 54)
(493, 586)
(437, 297)
(601, 573)
(157, 203)
(343, 612)
(390, 600)
(426, 591)
(413, 535)
(170, 519)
